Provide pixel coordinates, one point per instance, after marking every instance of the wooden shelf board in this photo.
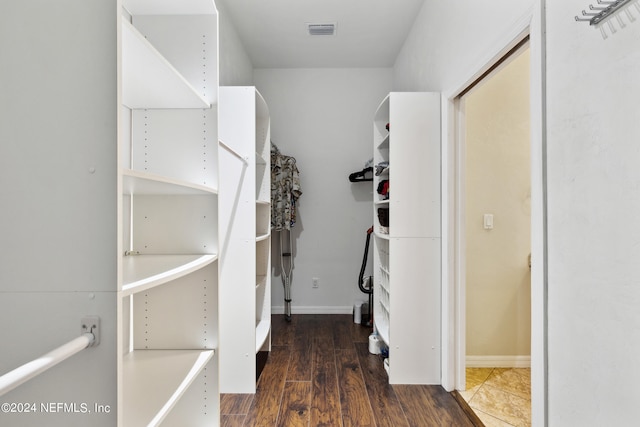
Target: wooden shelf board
(155, 380)
(149, 80)
(135, 182)
(141, 272)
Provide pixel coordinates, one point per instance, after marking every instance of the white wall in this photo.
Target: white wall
(448, 38)
(593, 204)
(235, 68)
(324, 118)
(498, 182)
(593, 198)
(58, 219)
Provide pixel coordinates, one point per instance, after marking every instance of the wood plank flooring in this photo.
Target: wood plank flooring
(320, 373)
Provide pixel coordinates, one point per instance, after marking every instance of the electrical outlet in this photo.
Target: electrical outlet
(315, 282)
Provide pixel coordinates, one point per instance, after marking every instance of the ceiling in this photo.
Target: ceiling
(369, 33)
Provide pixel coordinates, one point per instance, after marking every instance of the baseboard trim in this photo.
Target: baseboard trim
(498, 361)
(314, 310)
(473, 417)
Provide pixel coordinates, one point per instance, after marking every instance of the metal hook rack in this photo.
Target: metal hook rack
(603, 10)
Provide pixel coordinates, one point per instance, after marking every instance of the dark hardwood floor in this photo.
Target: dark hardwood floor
(320, 373)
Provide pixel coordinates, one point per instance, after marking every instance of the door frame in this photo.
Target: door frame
(453, 287)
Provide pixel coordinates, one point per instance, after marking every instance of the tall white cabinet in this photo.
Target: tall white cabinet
(168, 223)
(245, 236)
(406, 251)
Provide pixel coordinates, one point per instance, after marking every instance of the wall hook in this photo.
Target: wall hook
(601, 13)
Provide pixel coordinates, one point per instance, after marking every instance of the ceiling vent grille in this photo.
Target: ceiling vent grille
(321, 29)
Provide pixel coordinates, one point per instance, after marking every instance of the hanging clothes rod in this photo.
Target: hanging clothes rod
(602, 11)
(234, 152)
(89, 338)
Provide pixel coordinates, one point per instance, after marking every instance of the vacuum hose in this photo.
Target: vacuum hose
(361, 277)
(364, 265)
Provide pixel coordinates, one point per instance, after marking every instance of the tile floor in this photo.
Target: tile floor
(501, 397)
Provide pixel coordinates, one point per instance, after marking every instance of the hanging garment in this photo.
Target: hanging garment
(285, 190)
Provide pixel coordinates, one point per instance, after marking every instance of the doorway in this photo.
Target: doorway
(494, 245)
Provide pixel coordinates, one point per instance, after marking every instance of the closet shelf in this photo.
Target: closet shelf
(382, 326)
(262, 333)
(384, 173)
(262, 110)
(382, 202)
(149, 80)
(142, 183)
(261, 237)
(384, 306)
(155, 380)
(141, 272)
(169, 7)
(260, 281)
(260, 160)
(384, 144)
(381, 236)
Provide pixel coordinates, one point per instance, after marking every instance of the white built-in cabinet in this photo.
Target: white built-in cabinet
(168, 223)
(406, 251)
(245, 237)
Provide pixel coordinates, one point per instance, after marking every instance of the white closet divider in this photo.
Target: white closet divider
(245, 236)
(406, 252)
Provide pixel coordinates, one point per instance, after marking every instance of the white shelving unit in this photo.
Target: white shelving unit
(168, 248)
(245, 236)
(407, 249)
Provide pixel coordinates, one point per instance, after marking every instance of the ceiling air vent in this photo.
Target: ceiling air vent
(321, 29)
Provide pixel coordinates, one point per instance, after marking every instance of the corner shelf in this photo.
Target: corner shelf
(384, 144)
(168, 176)
(135, 182)
(149, 80)
(261, 237)
(155, 380)
(261, 281)
(263, 328)
(142, 272)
